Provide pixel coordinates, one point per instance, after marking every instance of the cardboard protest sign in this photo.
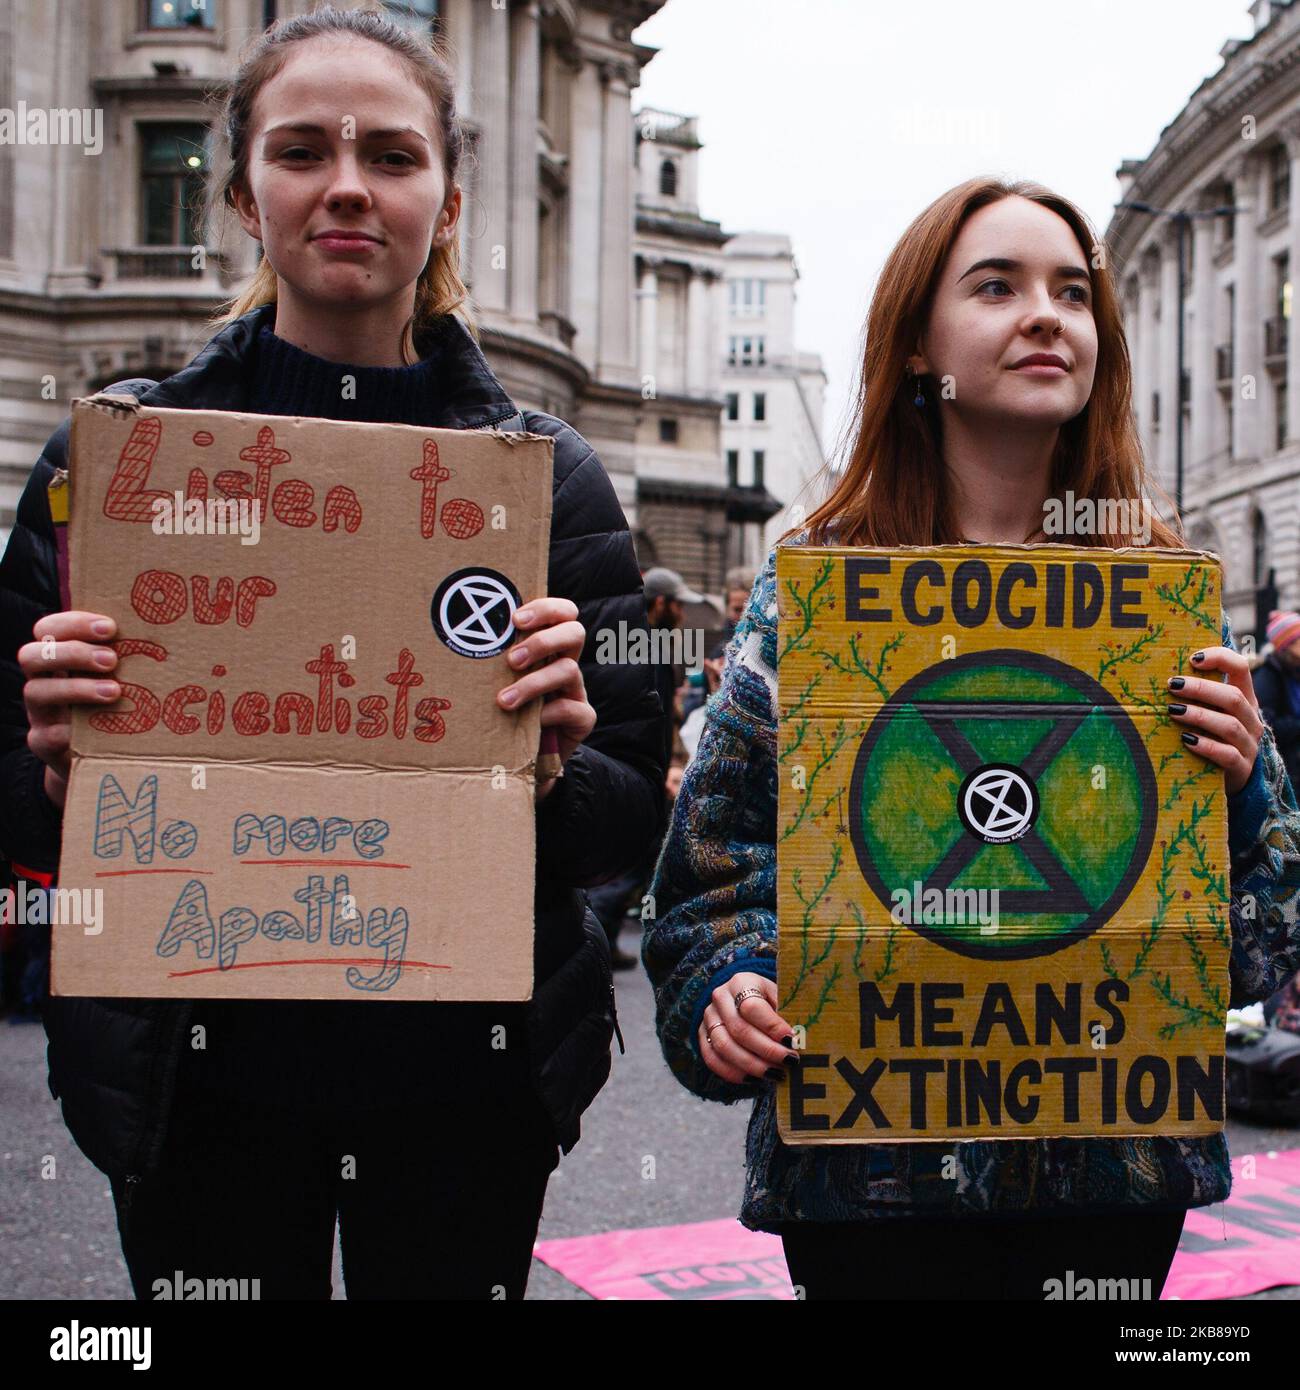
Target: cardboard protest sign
(1002, 878)
(307, 789)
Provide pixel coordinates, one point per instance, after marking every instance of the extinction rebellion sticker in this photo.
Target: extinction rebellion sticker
(471, 612)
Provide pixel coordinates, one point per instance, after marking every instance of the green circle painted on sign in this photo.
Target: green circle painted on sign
(1010, 771)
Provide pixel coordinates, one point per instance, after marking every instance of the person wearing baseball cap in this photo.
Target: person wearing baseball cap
(665, 594)
(669, 586)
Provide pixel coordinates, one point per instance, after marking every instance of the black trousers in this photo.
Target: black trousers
(429, 1204)
(978, 1257)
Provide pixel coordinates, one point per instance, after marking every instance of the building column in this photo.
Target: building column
(1170, 406)
(714, 310)
(698, 354)
(585, 209)
(616, 356)
(1291, 133)
(76, 37)
(1148, 355)
(458, 24)
(1248, 325)
(1129, 295)
(1201, 341)
(8, 162)
(648, 305)
(526, 95)
(492, 251)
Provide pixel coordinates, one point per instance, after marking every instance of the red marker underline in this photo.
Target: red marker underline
(341, 863)
(312, 960)
(118, 873)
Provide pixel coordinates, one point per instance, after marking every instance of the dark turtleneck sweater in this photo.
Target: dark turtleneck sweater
(338, 1055)
(285, 380)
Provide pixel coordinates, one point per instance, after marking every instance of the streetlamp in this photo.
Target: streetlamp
(1181, 218)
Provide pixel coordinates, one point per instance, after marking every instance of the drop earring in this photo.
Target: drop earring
(918, 400)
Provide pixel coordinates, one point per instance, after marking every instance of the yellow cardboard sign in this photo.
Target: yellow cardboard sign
(1002, 878)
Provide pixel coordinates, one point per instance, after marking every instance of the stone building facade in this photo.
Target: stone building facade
(732, 426)
(774, 394)
(104, 272)
(1229, 165)
(600, 292)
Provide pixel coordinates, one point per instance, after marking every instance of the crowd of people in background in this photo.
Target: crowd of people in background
(684, 695)
(1275, 671)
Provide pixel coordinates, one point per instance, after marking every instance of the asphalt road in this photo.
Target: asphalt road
(58, 1235)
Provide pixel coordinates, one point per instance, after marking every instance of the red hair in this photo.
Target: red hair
(892, 490)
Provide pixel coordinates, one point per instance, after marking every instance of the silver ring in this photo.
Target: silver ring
(744, 994)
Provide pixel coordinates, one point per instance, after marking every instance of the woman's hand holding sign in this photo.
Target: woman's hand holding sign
(739, 1031)
(66, 643)
(1226, 717)
(552, 646)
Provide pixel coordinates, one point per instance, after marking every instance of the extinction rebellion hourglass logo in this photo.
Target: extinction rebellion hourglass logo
(472, 610)
(974, 776)
(997, 804)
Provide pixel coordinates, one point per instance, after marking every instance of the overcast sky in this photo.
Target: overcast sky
(837, 121)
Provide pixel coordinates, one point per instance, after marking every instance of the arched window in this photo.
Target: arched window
(1258, 548)
(668, 179)
(1203, 536)
(173, 169)
(647, 553)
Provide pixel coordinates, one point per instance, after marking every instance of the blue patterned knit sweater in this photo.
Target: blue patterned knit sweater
(714, 894)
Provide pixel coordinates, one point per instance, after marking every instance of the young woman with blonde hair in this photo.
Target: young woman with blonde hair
(429, 1142)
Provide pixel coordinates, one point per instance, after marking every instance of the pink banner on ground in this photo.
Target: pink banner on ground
(709, 1259)
(1248, 1243)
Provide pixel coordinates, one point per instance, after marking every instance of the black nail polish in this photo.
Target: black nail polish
(1176, 682)
(1190, 739)
(1198, 656)
(793, 1060)
(788, 1041)
(774, 1074)
(1177, 709)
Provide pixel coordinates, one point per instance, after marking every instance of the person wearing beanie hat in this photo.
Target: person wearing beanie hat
(1277, 686)
(1282, 630)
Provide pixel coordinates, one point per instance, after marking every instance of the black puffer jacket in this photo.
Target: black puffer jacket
(1274, 704)
(113, 1062)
